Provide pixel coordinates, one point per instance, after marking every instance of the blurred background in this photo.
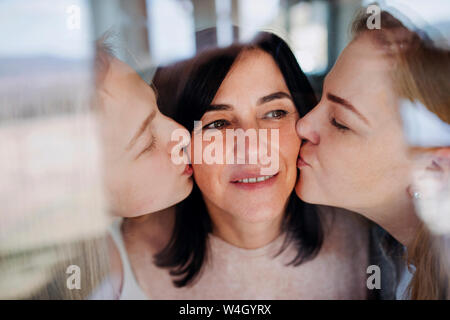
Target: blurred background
(45, 36)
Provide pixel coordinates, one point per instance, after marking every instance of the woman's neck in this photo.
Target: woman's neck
(397, 218)
(244, 234)
(140, 223)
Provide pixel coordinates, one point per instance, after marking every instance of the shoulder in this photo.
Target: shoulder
(142, 239)
(344, 230)
(115, 269)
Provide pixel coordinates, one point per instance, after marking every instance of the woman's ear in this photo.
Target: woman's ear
(431, 172)
(431, 188)
(439, 163)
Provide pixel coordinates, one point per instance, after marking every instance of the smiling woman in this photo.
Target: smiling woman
(239, 226)
(253, 78)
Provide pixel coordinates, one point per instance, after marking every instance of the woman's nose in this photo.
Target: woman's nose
(306, 130)
(246, 142)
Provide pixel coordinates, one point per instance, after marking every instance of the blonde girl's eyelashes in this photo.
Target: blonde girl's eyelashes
(338, 125)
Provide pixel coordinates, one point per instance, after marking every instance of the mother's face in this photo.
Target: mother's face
(252, 96)
(353, 154)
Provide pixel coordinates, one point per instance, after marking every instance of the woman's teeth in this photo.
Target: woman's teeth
(254, 180)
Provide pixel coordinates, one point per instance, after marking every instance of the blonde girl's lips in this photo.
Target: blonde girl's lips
(301, 163)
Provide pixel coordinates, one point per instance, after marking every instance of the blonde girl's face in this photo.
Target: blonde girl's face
(353, 153)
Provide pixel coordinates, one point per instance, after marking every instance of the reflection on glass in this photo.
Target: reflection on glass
(171, 30)
(51, 191)
(308, 33)
(255, 15)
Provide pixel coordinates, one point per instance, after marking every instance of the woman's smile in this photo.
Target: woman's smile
(251, 179)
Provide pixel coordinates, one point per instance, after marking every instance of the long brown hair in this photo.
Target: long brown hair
(420, 73)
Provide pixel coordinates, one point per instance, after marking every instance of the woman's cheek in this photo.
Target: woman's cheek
(289, 143)
(205, 176)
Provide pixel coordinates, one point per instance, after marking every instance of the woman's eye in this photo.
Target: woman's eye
(338, 125)
(218, 124)
(275, 114)
(149, 147)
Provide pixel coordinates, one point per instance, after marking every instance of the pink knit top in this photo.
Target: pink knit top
(337, 272)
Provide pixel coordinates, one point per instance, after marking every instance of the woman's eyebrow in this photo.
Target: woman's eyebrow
(141, 129)
(218, 107)
(274, 96)
(346, 104)
(262, 100)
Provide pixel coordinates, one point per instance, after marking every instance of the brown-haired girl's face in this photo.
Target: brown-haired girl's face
(140, 176)
(353, 154)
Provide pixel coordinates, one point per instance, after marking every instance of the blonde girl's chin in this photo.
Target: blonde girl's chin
(305, 196)
(299, 190)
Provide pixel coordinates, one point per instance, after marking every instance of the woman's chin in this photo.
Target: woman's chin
(306, 194)
(188, 189)
(258, 213)
(183, 192)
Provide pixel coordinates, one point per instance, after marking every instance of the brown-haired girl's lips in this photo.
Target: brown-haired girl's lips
(188, 170)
